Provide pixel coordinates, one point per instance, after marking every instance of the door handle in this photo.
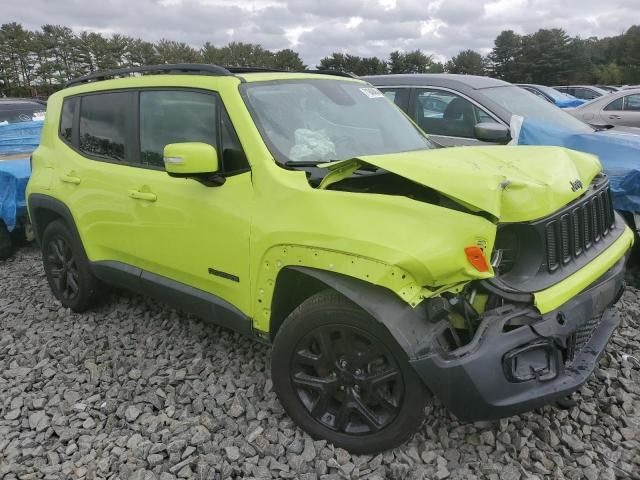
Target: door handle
(70, 179)
(138, 195)
(615, 117)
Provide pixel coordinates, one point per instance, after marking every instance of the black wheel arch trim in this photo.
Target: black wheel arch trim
(38, 204)
(408, 325)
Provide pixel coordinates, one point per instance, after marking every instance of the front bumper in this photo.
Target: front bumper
(509, 369)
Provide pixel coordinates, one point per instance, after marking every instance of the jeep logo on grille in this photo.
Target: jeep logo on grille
(575, 185)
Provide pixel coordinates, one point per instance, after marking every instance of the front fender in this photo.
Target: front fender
(407, 324)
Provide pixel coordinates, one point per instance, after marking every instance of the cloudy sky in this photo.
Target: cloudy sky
(315, 28)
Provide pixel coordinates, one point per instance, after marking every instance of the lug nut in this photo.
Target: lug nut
(343, 363)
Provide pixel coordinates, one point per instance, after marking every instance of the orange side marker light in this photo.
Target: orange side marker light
(476, 257)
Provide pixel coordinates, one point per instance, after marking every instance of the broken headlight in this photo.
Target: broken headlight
(518, 251)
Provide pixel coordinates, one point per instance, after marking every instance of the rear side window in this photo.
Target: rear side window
(103, 124)
(173, 117)
(616, 105)
(632, 103)
(66, 118)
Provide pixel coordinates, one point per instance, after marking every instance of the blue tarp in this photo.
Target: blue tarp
(21, 137)
(619, 153)
(14, 175)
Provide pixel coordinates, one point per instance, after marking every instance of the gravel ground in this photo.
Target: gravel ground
(136, 390)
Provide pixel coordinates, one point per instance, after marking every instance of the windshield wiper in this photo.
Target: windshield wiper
(314, 163)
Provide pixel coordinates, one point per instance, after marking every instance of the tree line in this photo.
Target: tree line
(39, 62)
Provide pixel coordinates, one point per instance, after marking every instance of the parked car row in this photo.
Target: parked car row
(307, 211)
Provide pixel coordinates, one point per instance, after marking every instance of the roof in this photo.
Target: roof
(435, 79)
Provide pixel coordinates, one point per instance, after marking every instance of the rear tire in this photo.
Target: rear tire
(6, 244)
(67, 268)
(341, 376)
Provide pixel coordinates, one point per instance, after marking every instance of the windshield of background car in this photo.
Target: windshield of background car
(553, 93)
(20, 111)
(523, 103)
(328, 120)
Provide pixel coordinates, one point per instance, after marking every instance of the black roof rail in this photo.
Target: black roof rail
(178, 68)
(190, 69)
(337, 73)
(254, 69)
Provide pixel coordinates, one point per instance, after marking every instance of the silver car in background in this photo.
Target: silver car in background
(621, 109)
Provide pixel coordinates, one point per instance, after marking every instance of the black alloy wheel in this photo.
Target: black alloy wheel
(347, 380)
(67, 268)
(63, 268)
(341, 376)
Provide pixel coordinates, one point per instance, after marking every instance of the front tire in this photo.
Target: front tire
(67, 268)
(341, 376)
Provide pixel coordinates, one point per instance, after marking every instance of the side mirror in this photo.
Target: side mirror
(190, 159)
(492, 132)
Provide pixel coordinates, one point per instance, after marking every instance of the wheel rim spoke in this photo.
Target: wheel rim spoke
(72, 282)
(366, 414)
(382, 377)
(342, 416)
(315, 383)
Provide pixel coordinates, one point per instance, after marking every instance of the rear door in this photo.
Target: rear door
(630, 116)
(93, 164)
(621, 111)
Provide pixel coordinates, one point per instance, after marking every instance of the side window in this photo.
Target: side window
(175, 116)
(616, 105)
(66, 118)
(103, 125)
(440, 112)
(632, 103)
(399, 96)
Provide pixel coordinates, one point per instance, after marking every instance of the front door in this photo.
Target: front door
(189, 232)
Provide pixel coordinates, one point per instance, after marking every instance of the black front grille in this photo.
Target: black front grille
(579, 228)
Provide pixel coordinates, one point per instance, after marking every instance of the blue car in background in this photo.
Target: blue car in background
(471, 110)
(21, 123)
(551, 95)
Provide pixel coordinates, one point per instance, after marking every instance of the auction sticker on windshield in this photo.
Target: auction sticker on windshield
(372, 92)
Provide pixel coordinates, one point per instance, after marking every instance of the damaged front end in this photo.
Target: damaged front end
(511, 358)
(535, 331)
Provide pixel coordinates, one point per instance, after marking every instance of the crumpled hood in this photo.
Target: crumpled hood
(514, 184)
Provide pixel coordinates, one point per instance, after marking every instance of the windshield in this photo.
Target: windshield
(520, 102)
(553, 93)
(328, 120)
(20, 111)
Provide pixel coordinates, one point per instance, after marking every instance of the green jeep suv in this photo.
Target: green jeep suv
(307, 211)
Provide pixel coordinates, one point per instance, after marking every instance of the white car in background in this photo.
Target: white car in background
(621, 109)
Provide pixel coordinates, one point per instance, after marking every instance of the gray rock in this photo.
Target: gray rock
(232, 453)
(131, 413)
